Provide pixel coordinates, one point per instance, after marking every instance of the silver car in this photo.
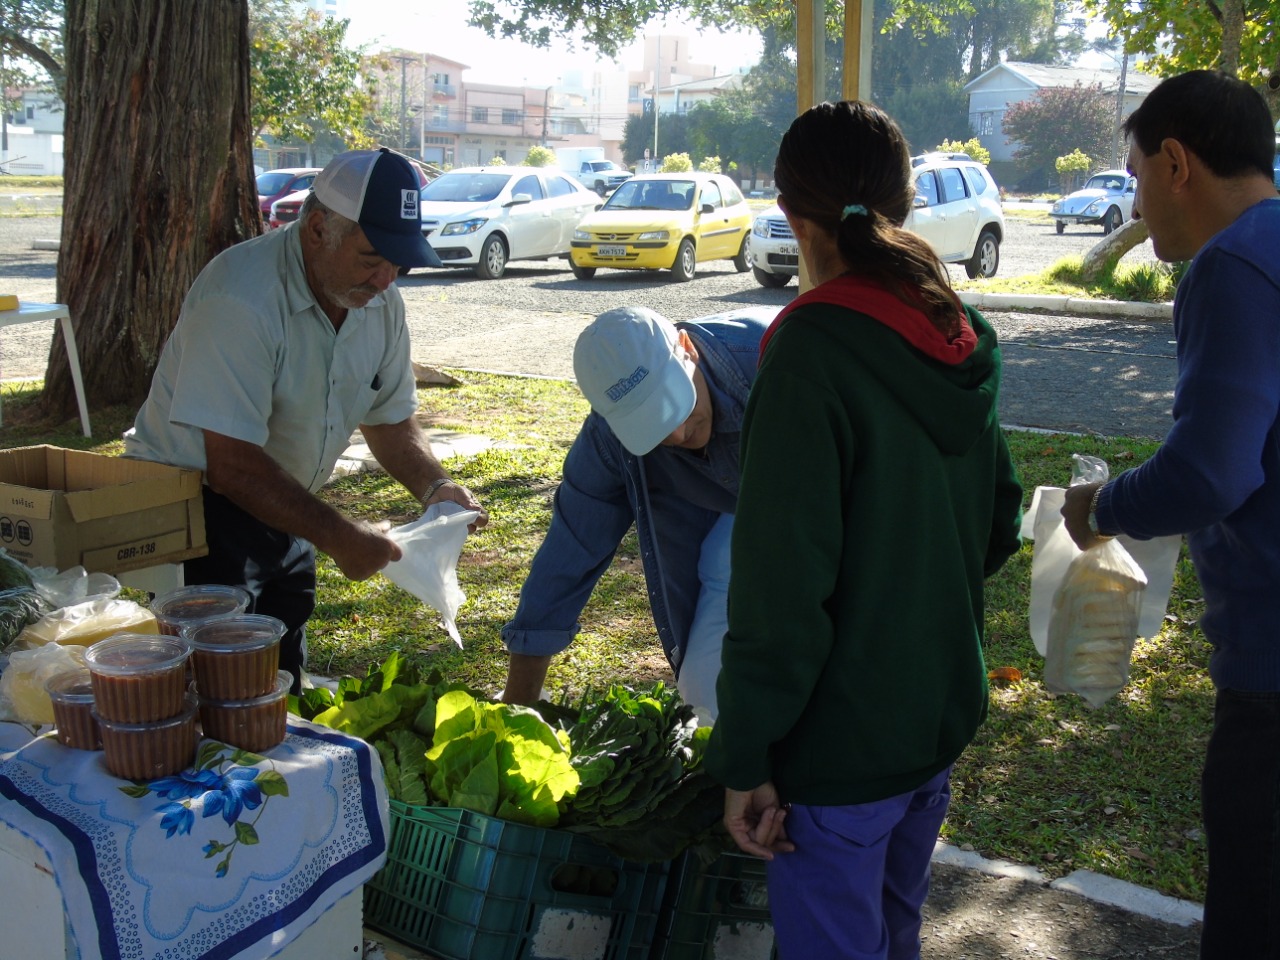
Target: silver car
(1106, 198)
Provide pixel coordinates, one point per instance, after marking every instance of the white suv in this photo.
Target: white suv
(957, 209)
(775, 258)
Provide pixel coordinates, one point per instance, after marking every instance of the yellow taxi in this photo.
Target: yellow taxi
(665, 221)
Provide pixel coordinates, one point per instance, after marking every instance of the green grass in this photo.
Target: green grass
(1145, 282)
(1048, 781)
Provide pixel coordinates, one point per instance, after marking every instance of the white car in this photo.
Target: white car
(1106, 198)
(484, 217)
(775, 257)
(956, 208)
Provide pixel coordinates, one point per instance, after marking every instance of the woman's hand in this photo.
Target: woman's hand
(755, 820)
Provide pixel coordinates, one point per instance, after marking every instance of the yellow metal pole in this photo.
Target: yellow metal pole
(810, 36)
(858, 25)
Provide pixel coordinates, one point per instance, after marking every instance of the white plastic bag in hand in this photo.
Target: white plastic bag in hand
(1094, 623)
(428, 567)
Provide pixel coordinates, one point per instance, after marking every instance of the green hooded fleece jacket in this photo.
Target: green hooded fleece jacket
(877, 494)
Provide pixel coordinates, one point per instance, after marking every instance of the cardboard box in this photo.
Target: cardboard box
(63, 508)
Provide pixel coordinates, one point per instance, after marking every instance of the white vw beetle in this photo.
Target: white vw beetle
(1107, 198)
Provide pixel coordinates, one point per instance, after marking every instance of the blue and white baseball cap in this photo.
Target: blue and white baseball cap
(627, 366)
(378, 189)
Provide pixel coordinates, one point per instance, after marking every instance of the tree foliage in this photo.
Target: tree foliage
(1241, 37)
(1054, 122)
(302, 76)
(31, 36)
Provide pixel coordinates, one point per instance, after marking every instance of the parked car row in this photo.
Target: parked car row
(485, 217)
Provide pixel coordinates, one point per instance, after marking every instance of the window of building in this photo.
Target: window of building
(479, 114)
(510, 117)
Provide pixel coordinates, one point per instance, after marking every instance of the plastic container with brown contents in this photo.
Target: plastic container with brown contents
(235, 658)
(145, 751)
(256, 725)
(72, 696)
(138, 677)
(196, 604)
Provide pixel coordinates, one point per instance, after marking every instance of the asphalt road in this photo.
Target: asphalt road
(1082, 374)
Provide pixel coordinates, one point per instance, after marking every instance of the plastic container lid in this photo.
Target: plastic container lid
(73, 686)
(284, 680)
(129, 654)
(206, 600)
(248, 631)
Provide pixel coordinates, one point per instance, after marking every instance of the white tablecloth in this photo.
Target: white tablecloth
(232, 858)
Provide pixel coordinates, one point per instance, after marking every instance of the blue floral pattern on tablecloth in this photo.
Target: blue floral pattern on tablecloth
(289, 833)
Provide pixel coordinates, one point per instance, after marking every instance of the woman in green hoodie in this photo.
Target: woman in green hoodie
(877, 493)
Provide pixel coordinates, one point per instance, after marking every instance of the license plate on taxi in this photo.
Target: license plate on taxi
(611, 251)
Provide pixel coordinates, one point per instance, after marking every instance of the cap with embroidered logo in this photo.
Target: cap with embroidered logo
(628, 367)
(378, 189)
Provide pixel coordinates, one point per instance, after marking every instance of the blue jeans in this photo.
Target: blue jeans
(701, 663)
(854, 887)
(1240, 795)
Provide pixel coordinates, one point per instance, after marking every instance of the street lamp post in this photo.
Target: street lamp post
(546, 106)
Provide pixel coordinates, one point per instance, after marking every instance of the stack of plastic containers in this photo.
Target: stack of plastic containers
(147, 721)
(243, 694)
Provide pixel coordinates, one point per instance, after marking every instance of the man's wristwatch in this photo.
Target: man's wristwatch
(435, 486)
(1093, 516)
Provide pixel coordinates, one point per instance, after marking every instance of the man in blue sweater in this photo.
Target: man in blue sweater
(1201, 150)
(660, 451)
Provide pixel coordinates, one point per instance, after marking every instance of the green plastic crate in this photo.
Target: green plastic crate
(716, 911)
(462, 885)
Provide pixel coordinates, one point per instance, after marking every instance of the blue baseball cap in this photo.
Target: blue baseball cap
(378, 189)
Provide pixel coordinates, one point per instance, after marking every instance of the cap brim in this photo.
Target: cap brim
(402, 249)
(669, 404)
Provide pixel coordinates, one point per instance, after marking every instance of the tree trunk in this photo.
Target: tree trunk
(158, 179)
(1112, 247)
(1232, 32)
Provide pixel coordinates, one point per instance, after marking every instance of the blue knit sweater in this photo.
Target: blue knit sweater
(1216, 478)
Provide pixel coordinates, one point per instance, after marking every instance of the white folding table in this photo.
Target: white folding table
(30, 313)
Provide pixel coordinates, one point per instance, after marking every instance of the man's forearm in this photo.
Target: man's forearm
(525, 677)
(403, 450)
(253, 481)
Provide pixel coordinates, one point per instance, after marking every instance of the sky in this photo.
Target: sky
(439, 26)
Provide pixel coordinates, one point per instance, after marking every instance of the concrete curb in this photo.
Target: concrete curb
(1084, 883)
(1065, 304)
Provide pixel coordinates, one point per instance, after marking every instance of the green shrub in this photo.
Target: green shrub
(676, 163)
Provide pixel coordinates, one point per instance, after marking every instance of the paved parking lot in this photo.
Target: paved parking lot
(1062, 372)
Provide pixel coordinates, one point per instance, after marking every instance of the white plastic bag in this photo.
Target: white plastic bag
(1087, 609)
(1054, 551)
(1094, 623)
(22, 694)
(75, 585)
(84, 624)
(428, 567)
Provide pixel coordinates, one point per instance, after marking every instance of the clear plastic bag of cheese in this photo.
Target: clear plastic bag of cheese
(1089, 607)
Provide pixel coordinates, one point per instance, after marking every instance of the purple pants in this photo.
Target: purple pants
(854, 886)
